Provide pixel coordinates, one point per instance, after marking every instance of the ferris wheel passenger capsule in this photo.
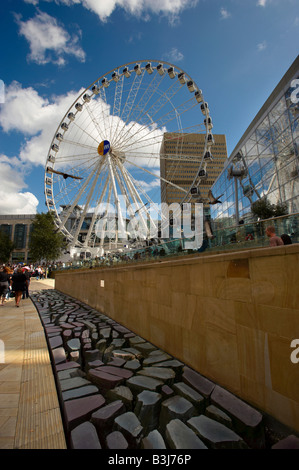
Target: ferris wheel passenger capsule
(51, 159)
(208, 156)
(86, 98)
(149, 68)
(78, 106)
(137, 69)
(190, 86)
(209, 122)
(64, 126)
(204, 108)
(202, 174)
(48, 192)
(160, 69)
(71, 116)
(194, 191)
(198, 96)
(171, 72)
(55, 147)
(181, 77)
(48, 181)
(126, 72)
(115, 76)
(59, 137)
(210, 139)
(95, 90)
(105, 82)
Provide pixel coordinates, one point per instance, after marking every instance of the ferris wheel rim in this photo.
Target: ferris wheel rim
(143, 61)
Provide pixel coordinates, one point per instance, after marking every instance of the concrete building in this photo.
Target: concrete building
(18, 228)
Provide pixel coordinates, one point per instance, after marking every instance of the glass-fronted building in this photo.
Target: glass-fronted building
(265, 162)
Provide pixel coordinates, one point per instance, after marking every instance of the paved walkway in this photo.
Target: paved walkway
(30, 416)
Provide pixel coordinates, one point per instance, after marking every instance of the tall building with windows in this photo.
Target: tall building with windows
(18, 228)
(265, 161)
(185, 154)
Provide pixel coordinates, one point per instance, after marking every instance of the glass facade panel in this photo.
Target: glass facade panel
(277, 111)
(20, 236)
(270, 159)
(7, 229)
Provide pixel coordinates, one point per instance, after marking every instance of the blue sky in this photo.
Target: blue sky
(235, 50)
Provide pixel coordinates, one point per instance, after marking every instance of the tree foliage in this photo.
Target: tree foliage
(6, 247)
(263, 209)
(45, 242)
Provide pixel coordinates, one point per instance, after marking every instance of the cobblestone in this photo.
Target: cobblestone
(119, 391)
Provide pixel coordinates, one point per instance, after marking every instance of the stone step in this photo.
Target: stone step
(166, 375)
(85, 436)
(176, 407)
(129, 425)
(116, 440)
(247, 421)
(147, 409)
(195, 380)
(103, 419)
(215, 435)
(180, 436)
(153, 440)
(104, 380)
(80, 392)
(79, 410)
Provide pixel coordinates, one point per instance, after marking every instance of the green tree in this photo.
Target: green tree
(6, 247)
(45, 242)
(263, 209)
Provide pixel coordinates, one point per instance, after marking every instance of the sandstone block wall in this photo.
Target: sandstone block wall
(232, 317)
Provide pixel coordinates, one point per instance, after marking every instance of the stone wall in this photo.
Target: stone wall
(232, 317)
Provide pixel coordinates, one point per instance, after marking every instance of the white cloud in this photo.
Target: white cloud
(224, 14)
(37, 118)
(139, 8)
(174, 55)
(262, 3)
(49, 41)
(12, 199)
(262, 46)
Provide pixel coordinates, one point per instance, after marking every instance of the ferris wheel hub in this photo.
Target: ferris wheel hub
(103, 147)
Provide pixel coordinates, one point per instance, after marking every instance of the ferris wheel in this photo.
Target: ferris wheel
(107, 154)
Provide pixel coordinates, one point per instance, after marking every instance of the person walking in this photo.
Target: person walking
(28, 275)
(274, 240)
(18, 281)
(4, 283)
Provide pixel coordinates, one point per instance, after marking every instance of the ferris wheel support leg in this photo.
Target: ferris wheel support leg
(71, 208)
(95, 215)
(86, 205)
(133, 193)
(117, 201)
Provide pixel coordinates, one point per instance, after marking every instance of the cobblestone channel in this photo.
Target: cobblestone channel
(118, 391)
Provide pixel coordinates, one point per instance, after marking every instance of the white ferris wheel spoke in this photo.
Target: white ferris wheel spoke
(136, 108)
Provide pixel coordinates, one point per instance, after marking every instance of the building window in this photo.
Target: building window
(20, 236)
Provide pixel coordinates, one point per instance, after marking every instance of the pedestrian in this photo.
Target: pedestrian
(28, 275)
(4, 283)
(286, 239)
(274, 240)
(18, 281)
